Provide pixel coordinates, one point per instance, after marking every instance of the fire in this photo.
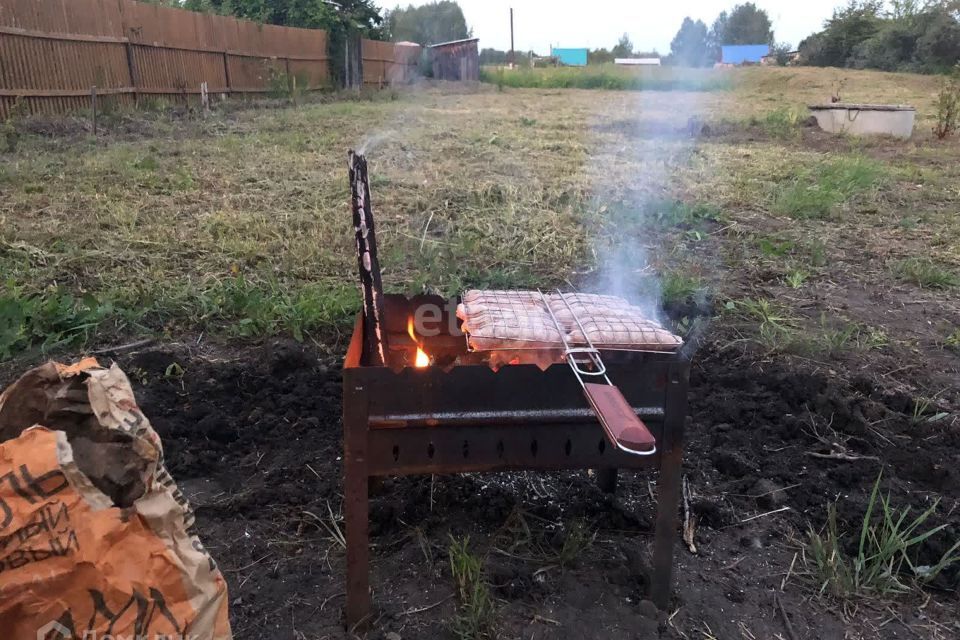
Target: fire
(422, 359)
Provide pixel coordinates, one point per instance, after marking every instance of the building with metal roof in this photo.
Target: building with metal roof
(570, 57)
(457, 60)
(743, 53)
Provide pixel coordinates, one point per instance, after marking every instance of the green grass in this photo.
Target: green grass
(475, 616)
(795, 278)
(818, 192)
(781, 122)
(577, 538)
(52, 319)
(952, 341)
(926, 273)
(773, 247)
(610, 77)
(884, 564)
(237, 224)
(775, 327)
(235, 306)
(677, 287)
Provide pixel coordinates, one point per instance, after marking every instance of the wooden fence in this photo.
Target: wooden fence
(52, 52)
(386, 63)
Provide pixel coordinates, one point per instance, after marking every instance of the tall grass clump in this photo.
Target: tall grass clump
(475, 615)
(50, 319)
(608, 77)
(779, 123)
(885, 563)
(926, 273)
(816, 192)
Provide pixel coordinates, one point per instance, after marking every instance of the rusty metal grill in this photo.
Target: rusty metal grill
(460, 415)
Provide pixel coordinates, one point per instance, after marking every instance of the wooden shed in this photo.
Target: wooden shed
(457, 60)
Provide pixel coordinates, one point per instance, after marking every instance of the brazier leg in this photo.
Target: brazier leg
(668, 501)
(356, 508)
(607, 479)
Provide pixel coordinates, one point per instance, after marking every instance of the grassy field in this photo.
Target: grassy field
(608, 76)
(826, 270)
(237, 224)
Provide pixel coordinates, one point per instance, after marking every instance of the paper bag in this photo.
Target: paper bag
(94, 536)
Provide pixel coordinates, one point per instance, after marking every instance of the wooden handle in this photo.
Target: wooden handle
(620, 423)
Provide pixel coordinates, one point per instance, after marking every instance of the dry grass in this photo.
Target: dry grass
(239, 223)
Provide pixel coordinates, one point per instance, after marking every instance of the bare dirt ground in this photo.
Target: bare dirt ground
(823, 264)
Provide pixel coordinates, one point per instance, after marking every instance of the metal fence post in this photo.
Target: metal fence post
(226, 71)
(132, 70)
(93, 109)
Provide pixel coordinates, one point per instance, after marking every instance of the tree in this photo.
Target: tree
(624, 48)
(747, 24)
(427, 24)
(494, 56)
(692, 46)
(911, 36)
(599, 56)
(719, 29)
(781, 53)
(336, 17)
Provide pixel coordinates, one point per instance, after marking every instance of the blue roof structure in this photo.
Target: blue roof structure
(571, 57)
(740, 53)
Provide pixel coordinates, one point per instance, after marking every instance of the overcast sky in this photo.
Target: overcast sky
(599, 23)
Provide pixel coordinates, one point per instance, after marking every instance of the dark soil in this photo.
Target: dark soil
(253, 438)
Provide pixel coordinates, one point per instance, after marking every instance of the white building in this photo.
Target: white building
(645, 62)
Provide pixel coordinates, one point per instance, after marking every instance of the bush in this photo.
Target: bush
(948, 106)
(910, 38)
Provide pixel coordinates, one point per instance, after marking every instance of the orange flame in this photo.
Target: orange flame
(422, 359)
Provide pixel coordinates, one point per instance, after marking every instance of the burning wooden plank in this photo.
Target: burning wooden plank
(371, 285)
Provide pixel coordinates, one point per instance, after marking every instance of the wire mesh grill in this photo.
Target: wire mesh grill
(511, 320)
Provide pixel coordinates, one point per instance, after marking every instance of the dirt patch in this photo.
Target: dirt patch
(253, 437)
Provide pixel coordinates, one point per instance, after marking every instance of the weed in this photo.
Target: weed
(924, 272)
(780, 123)
(817, 250)
(924, 411)
(816, 193)
(833, 337)
(677, 287)
(948, 106)
(766, 313)
(884, 564)
(674, 213)
(527, 122)
(11, 136)
(952, 341)
(577, 539)
(174, 371)
(909, 223)
(776, 328)
(51, 319)
(872, 338)
(152, 104)
(475, 614)
(796, 278)
(287, 86)
(775, 247)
